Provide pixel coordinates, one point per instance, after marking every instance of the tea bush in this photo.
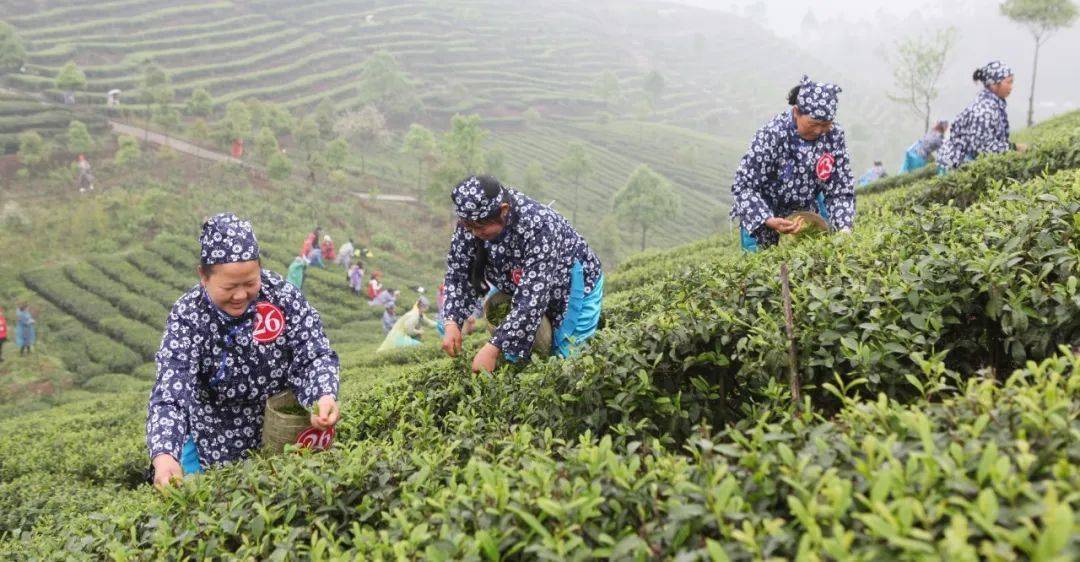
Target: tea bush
(674, 434)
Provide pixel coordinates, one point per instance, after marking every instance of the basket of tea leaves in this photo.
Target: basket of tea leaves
(284, 421)
(497, 308)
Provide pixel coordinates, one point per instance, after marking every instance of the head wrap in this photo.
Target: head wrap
(423, 302)
(817, 99)
(471, 204)
(227, 239)
(993, 72)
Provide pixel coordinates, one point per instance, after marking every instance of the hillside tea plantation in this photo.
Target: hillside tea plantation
(939, 419)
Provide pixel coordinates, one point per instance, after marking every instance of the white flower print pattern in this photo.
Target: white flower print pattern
(539, 248)
(226, 420)
(981, 128)
(778, 176)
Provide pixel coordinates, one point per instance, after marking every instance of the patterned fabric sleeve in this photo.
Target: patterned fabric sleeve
(313, 372)
(460, 296)
(515, 335)
(840, 190)
(170, 399)
(987, 138)
(754, 171)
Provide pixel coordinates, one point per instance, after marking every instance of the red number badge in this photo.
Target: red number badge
(269, 322)
(825, 166)
(317, 439)
(515, 276)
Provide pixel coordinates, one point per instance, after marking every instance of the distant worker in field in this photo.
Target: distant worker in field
(310, 242)
(876, 172)
(385, 297)
(239, 336)
(507, 242)
(409, 329)
(924, 149)
(25, 330)
(374, 286)
(238, 148)
(345, 254)
(3, 332)
(389, 318)
(296, 272)
(982, 127)
(356, 278)
(798, 161)
(315, 258)
(327, 248)
(85, 181)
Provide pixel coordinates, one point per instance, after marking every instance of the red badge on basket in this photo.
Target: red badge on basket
(825, 166)
(269, 322)
(515, 276)
(317, 439)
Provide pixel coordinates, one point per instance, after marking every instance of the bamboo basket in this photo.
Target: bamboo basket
(280, 428)
(541, 343)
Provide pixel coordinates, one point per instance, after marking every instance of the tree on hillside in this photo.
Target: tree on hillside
(167, 117)
(236, 124)
(532, 181)
(79, 140)
(266, 144)
(367, 128)
(383, 83)
(127, 151)
(645, 200)
(419, 144)
(1041, 18)
(200, 104)
(279, 119)
(495, 164)
(337, 151)
(279, 167)
(653, 86)
(576, 167)
(325, 116)
(258, 112)
(306, 138)
(606, 239)
(531, 117)
(917, 66)
(608, 87)
(155, 90)
(12, 50)
(461, 154)
(33, 150)
(464, 142)
(69, 79)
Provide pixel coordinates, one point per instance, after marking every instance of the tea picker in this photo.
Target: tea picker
(506, 242)
(798, 161)
(983, 126)
(240, 336)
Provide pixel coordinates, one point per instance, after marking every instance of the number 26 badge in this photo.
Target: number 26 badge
(269, 322)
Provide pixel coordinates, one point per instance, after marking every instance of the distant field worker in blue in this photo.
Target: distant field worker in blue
(508, 242)
(919, 154)
(798, 161)
(239, 336)
(982, 127)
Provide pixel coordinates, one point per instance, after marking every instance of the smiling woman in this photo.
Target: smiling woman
(242, 335)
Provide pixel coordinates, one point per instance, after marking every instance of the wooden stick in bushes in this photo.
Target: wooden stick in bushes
(789, 325)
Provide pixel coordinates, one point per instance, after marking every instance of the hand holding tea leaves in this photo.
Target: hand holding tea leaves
(166, 469)
(326, 413)
(783, 226)
(451, 342)
(486, 359)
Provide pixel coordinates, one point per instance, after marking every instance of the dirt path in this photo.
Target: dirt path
(199, 152)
